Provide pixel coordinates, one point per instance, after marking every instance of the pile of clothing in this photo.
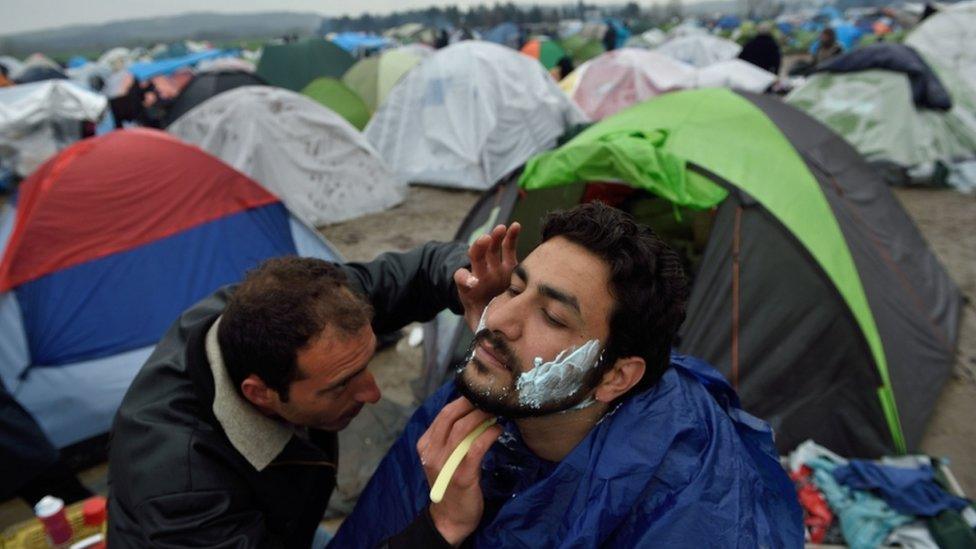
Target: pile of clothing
(907, 501)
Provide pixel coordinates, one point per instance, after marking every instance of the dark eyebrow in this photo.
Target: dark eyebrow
(551, 293)
(335, 384)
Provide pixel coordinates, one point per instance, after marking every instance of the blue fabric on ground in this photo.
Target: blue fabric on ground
(679, 465)
(909, 491)
(865, 520)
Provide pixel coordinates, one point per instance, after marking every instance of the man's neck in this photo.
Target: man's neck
(553, 437)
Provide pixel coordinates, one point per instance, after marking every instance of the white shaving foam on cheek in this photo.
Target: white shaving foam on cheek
(560, 378)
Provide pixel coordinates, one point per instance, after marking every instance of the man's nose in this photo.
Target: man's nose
(368, 392)
(506, 317)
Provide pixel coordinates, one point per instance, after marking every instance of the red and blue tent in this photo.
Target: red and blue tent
(108, 242)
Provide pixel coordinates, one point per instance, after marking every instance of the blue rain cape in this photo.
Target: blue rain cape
(680, 465)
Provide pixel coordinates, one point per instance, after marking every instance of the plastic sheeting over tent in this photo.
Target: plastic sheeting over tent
(151, 69)
(946, 40)
(874, 111)
(294, 66)
(468, 115)
(110, 241)
(372, 78)
(699, 50)
(620, 78)
(733, 73)
(37, 120)
(358, 42)
(319, 165)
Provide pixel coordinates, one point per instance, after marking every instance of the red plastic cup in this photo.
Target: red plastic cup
(50, 511)
(93, 511)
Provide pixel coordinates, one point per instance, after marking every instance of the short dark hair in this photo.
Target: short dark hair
(647, 282)
(279, 309)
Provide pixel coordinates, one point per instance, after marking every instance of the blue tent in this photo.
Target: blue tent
(506, 34)
(728, 22)
(77, 61)
(354, 42)
(679, 465)
(622, 33)
(147, 70)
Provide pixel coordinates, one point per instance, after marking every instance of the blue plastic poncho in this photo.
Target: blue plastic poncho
(680, 465)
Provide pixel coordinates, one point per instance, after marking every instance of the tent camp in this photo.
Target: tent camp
(581, 48)
(619, 78)
(109, 242)
(732, 73)
(322, 168)
(336, 96)
(813, 292)
(547, 51)
(206, 85)
(468, 115)
(699, 50)
(505, 34)
(886, 113)
(946, 39)
(37, 120)
(372, 78)
(294, 66)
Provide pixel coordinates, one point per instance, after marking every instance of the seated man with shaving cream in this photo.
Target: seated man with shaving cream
(605, 438)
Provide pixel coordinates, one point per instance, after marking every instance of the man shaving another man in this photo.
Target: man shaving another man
(604, 438)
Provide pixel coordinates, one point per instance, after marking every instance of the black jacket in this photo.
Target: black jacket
(175, 480)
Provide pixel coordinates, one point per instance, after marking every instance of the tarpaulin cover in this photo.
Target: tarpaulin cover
(353, 42)
(927, 89)
(620, 78)
(468, 115)
(679, 465)
(88, 188)
(946, 39)
(37, 120)
(146, 70)
(908, 490)
(321, 167)
(699, 50)
(874, 111)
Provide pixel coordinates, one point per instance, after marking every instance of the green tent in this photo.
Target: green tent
(339, 98)
(373, 77)
(581, 49)
(293, 66)
(813, 292)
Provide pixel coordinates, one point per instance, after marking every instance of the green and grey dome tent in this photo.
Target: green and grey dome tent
(813, 292)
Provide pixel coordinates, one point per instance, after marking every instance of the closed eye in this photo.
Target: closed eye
(552, 320)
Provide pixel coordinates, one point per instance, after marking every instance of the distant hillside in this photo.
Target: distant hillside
(195, 26)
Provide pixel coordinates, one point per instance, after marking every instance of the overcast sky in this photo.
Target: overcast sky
(26, 15)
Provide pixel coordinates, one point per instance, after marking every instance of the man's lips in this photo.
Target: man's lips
(490, 357)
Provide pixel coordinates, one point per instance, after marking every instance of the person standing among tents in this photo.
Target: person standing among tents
(227, 436)
(828, 48)
(762, 50)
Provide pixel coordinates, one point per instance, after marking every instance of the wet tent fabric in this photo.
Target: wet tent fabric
(699, 50)
(206, 85)
(339, 98)
(874, 111)
(320, 166)
(927, 90)
(946, 39)
(621, 78)
(735, 74)
(373, 77)
(110, 240)
(548, 52)
(846, 321)
(679, 465)
(294, 66)
(468, 115)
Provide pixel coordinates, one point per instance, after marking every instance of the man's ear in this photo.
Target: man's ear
(258, 393)
(620, 378)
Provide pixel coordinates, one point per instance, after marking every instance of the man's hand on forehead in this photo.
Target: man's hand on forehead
(493, 258)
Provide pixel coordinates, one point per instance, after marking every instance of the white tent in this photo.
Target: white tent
(39, 119)
(699, 50)
(733, 73)
(320, 166)
(947, 40)
(12, 64)
(468, 115)
(116, 58)
(620, 78)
